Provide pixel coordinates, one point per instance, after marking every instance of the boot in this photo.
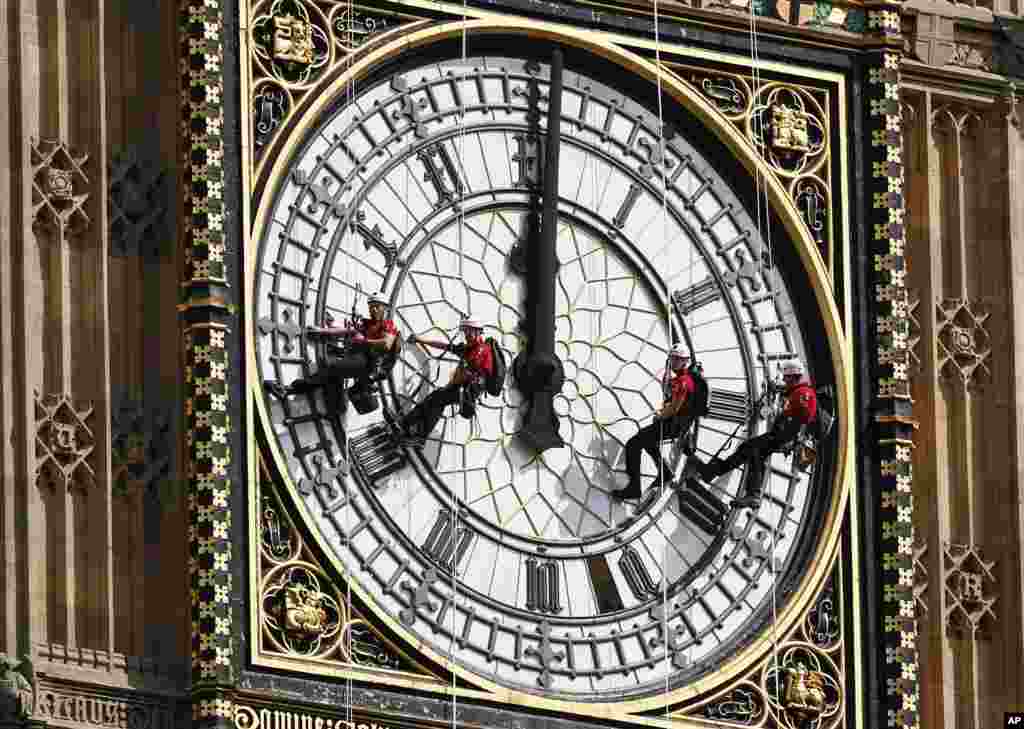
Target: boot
(711, 470)
(750, 500)
(275, 388)
(632, 491)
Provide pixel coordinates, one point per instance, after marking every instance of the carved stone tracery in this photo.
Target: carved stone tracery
(963, 342)
(64, 442)
(967, 581)
(58, 184)
(141, 447)
(138, 206)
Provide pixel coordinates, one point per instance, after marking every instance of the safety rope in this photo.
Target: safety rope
(669, 374)
(765, 238)
(351, 90)
(461, 171)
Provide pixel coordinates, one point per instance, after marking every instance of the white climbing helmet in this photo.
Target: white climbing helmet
(471, 323)
(792, 367)
(378, 297)
(679, 351)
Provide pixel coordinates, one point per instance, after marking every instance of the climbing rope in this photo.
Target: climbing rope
(765, 266)
(666, 378)
(462, 184)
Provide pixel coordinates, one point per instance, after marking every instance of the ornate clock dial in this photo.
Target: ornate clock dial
(516, 564)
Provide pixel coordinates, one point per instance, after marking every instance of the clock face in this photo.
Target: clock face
(514, 564)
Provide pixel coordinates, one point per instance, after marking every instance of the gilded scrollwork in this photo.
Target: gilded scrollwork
(787, 125)
(290, 41)
(278, 540)
(304, 613)
(802, 687)
(294, 44)
(742, 704)
(301, 614)
(822, 626)
(799, 684)
(271, 103)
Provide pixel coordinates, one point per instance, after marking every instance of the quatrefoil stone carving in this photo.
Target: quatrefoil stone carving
(964, 345)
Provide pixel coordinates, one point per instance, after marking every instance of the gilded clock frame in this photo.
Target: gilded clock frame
(615, 49)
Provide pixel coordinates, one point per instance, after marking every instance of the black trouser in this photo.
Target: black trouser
(422, 419)
(333, 372)
(650, 438)
(757, 450)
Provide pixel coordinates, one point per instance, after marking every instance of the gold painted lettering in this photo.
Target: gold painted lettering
(264, 719)
(80, 711)
(307, 721)
(319, 723)
(110, 713)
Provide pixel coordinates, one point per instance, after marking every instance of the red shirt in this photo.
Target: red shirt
(801, 402)
(377, 328)
(681, 386)
(479, 358)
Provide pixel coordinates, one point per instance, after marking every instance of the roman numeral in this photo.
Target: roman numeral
(528, 159)
(285, 327)
(373, 238)
(448, 540)
(627, 206)
(606, 592)
(733, 407)
(637, 577)
(442, 174)
(702, 508)
(694, 297)
(324, 479)
(376, 453)
(542, 586)
(319, 194)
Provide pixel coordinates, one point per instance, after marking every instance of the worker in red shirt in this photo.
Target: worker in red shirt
(367, 343)
(800, 408)
(670, 421)
(476, 364)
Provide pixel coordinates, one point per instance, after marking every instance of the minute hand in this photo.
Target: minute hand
(541, 374)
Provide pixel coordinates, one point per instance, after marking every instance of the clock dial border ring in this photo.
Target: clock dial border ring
(814, 268)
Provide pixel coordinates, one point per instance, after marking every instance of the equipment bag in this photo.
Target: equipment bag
(701, 393)
(496, 380)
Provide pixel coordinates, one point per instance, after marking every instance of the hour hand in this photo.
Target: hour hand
(541, 376)
(538, 371)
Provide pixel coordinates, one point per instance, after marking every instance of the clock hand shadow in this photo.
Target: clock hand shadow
(420, 378)
(586, 496)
